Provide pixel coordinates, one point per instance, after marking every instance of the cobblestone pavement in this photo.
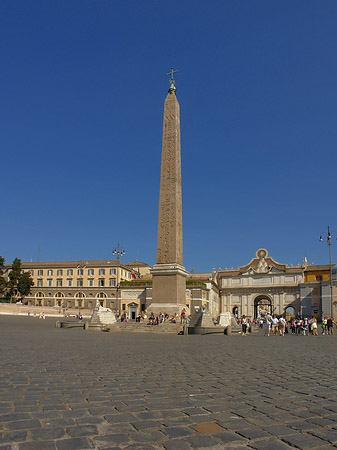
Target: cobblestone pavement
(74, 389)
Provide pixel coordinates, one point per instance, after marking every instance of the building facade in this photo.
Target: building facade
(262, 286)
(76, 284)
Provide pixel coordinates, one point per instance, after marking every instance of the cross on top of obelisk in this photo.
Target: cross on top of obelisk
(172, 86)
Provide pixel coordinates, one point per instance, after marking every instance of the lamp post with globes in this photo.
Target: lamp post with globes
(328, 241)
(119, 252)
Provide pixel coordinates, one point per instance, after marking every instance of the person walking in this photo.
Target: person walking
(314, 326)
(267, 325)
(244, 325)
(329, 325)
(274, 325)
(281, 325)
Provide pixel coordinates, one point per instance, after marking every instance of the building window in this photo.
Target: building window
(40, 272)
(31, 272)
(70, 272)
(101, 282)
(90, 283)
(49, 282)
(112, 271)
(59, 272)
(79, 283)
(59, 282)
(102, 271)
(39, 283)
(80, 272)
(319, 278)
(69, 283)
(90, 272)
(50, 273)
(112, 282)
(123, 306)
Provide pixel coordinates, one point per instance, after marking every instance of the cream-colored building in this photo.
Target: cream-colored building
(126, 288)
(262, 286)
(76, 284)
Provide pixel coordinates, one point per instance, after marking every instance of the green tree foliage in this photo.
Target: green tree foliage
(19, 283)
(3, 283)
(14, 276)
(25, 283)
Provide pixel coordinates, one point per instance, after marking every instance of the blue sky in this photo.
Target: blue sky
(83, 85)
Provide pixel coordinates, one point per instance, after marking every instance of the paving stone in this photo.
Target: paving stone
(38, 445)
(200, 441)
(186, 389)
(47, 434)
(24, 424)
(113, 439)
(74, 444)
(270, 444)
(13, 436)
(176, 444)
(304, 441)
(120, 418)
(326, 434)
(178, 432)
(82, 430)
(254, 433)
(279, 430)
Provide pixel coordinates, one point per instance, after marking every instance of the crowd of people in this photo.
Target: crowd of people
(153, 319)
(278, 325)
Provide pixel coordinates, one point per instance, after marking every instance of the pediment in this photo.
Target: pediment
(262, 264)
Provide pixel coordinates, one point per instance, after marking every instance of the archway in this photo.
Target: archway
(39, 297)
(236, 312)
(290, 312)
(101, 296)
(262, 306)
(59, 297)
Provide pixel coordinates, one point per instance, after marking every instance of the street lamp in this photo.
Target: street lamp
(328, 241)
(119, 252)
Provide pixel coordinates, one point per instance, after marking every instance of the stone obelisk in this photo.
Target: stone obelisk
(169, 275)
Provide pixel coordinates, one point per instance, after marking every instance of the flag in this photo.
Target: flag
(133, 275)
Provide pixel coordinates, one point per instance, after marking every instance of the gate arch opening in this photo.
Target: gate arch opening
(262, 306)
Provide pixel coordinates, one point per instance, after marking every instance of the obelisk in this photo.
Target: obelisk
(168, 274)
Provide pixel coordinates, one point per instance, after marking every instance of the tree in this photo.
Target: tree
(25, 283)
(20, 282)
(3, 283)
(14, 276)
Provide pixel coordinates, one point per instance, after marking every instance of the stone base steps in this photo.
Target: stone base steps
(139, 327)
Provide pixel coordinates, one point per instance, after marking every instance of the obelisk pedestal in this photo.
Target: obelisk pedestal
(169, 275)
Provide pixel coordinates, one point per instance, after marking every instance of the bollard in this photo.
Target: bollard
(86, 325)
(58, 324)
(228, 331)
(185, 329)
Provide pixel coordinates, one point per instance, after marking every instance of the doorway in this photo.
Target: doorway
(262, 306)
(132, 313)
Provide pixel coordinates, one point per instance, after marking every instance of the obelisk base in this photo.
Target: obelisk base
(168, 289)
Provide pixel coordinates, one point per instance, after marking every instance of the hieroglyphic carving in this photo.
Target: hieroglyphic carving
(169, 248)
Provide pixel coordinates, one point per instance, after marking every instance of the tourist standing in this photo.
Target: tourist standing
(267, 325)
(329, 325)
(274, 325)
(281, 325)
(244, 325)
(314, 326)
